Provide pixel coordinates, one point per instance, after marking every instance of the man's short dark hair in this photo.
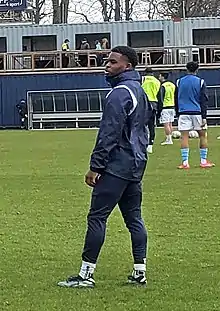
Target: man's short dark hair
(192, 66)
(165, 75)
(148, 70)
(128, 52)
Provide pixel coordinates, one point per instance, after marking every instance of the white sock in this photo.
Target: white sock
(186, 162)
(203, 161)
(169, 137)
(140, 267)
(87, 269)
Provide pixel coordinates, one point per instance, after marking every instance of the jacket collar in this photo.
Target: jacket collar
(126, 75)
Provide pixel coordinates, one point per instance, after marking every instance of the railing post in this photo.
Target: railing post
(60, 58)
(175, 56)
(32, 62)
(88, 64)
(216, 99)
(145, 59)
(5, 62)
(205, 55)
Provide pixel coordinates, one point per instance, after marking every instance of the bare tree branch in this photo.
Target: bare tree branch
(193, 8)
(85, 17)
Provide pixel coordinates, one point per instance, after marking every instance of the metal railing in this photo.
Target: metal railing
(172, 57)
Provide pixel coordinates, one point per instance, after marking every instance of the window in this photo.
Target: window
(214, 95)
(71, 102)
(83, 101)
(39, 43)
(48, 102)
(140, 39)
(3, 45)
(91, 38)
(94, 101)
(103, 98)
(59, 101)
(206, 36)
(36, 100)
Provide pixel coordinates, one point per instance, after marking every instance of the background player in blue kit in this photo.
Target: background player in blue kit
(191, 108)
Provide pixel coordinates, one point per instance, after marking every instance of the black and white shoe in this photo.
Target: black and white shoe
(137, 278)
(78, 281)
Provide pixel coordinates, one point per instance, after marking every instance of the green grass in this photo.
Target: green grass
(43, 208)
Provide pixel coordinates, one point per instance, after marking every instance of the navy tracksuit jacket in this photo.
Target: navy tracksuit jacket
(123, 137)
(120, 157)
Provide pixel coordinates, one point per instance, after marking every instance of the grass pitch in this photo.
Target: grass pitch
(43, 208)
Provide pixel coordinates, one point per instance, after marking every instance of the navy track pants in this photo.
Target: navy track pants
(108, 192)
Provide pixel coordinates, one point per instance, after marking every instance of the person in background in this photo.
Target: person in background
(22, 111)
(84, 44)
(99, 55)
(84, 57)
(65, 57)
(166, 106)
(191, 108)
(98, 45)
(151, 86)
(105, 44)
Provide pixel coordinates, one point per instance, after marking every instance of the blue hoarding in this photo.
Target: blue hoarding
(14, 87)
(13, 5)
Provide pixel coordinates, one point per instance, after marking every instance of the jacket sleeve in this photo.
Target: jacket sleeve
(176, 99)
(204, 100)
(114, 115)
(158, 86)
(160, 98)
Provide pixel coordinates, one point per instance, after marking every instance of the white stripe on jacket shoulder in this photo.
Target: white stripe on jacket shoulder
(134, 99)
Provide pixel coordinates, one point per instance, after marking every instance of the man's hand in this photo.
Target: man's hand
(204, 124)
(91, 178)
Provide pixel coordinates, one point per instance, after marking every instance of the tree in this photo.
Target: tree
(129, 8)
(64, 10)
(60, 11)
(189, 8)
(38, 12)
(111, 10)
(107, 10)
(117, 10)
(142, 9)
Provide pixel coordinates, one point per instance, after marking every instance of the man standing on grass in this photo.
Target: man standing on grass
(166, 106)
(191, 107)
(117, 166)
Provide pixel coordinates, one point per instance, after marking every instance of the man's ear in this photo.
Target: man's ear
(129, 66)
